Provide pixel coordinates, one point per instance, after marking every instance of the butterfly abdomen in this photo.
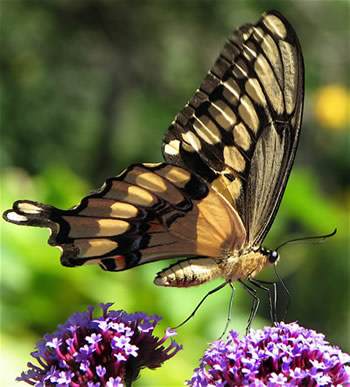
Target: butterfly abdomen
(189, 272)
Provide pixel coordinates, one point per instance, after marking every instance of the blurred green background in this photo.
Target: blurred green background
(89, 87)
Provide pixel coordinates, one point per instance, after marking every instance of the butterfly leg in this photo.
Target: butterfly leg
(285, 289)
(229, 311)
(201, 302)
(255, 305)
(271, 294)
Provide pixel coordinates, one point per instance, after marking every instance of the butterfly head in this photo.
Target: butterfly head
(272, 256)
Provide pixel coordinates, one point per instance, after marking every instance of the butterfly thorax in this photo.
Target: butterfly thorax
(246, 264)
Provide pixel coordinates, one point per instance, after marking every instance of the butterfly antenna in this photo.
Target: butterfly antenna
(312, 239)
(229, 311)
(201, 302)
(285, 289)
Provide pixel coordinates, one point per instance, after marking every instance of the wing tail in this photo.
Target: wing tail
(29, 213)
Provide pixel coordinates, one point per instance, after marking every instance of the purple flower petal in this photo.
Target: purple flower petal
(115, 382)
(103, 351)
(285, 354)
(94, 338)
(101, 371)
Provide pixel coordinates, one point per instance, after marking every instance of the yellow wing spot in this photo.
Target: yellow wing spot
(253, 89)
(229, 113)
(207, 130)
(29, 208)
(269, 81)
(248, 114)
(151, 165)
(95, 247)
(234, 189)
(110, 227)
(151, 181)
(240, 69)
(246, 35)
(192, 140)
(241, 136)
(290, 67)
(137, 195)
(178, 176)
(187, 147)
(233, 158)
(108, 208)
(223, 115)
(231, 91)
(249, 51)
(172, 148)
(258, 33)
(275, 25)
(123, 210)
(84, 227)
(271, 51)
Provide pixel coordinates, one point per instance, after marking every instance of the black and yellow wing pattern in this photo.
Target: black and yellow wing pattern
(240, 130)
(228, 156)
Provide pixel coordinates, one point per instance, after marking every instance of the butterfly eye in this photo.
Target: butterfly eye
(273, 256)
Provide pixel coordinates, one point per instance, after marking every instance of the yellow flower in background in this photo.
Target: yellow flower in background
(332, 106)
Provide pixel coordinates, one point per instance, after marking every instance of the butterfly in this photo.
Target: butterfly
(228, 155)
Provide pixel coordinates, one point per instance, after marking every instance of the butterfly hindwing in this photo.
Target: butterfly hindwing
(149, 212)
(240, 130)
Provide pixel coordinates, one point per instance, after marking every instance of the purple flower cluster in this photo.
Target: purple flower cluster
(284, 355)
(106, 351)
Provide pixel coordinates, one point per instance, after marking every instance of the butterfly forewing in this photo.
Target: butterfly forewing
(240, 129)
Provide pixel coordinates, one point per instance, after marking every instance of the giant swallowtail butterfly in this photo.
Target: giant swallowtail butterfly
(228, 156)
